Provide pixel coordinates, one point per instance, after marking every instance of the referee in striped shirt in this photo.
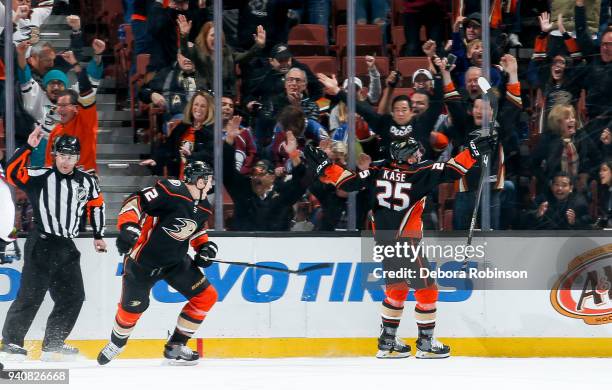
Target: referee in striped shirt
(59, 196)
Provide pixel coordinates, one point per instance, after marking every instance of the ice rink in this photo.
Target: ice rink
(340, 373)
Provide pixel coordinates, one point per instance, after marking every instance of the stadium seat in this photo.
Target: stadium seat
(361, 69)
(308, 40)
(408, 65)
(402, 91)
(368, 40)
(320, 64)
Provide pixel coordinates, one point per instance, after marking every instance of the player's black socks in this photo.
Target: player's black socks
(179, 337)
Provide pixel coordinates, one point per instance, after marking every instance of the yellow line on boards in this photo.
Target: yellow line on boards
(352, 347)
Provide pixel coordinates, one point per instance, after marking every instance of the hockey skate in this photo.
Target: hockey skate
(61, 353)
(430, 348)
(12, 352)
(177, 354)
(391, 347)
(108, 353)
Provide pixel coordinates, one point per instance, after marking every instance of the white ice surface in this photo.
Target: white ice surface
(338, 373)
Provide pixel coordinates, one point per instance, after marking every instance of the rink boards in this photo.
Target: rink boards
(335, 311)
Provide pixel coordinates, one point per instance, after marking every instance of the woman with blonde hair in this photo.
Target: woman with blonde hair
(201, 52)
(565, 148)
(191, 139)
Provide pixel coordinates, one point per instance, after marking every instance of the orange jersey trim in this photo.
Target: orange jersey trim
(22, 170)
(199, 241)
(412, 225)
(173, 194)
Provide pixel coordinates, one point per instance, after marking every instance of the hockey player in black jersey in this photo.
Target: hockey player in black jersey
(156, 226)
(398, 190)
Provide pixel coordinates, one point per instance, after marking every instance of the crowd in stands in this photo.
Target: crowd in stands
(551, 67)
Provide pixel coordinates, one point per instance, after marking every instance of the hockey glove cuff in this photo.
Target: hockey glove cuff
(481, 144)
(316, 159)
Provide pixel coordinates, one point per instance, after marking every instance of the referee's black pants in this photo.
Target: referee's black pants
(51, 263)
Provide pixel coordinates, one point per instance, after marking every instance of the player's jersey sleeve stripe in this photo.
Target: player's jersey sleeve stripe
(334, 174)
(514, 94)
(130, 212)
(462, 162)
(199, 239)
(16, 171)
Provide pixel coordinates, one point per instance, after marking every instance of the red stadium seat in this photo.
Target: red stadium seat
(368, 40)
(408, 65)
(361, 69)
(402, 91)
(320, 64)
(308, 40)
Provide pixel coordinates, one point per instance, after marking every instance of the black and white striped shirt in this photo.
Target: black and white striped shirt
(58, 200)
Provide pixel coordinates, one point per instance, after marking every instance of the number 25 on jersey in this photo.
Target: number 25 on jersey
(393, 195)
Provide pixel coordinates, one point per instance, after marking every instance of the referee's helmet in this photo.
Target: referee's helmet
(67, 144)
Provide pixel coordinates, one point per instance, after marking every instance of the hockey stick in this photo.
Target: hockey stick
(272, 268)
(484, 161)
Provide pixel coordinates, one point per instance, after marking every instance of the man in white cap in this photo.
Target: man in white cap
(422, 79)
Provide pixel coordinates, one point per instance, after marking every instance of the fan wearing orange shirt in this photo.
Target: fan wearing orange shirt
(78, 118)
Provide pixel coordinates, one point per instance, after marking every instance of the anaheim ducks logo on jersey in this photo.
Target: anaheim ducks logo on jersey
(400, 131)
(183, 229)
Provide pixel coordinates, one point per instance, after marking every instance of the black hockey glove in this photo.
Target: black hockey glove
(316, 159)
(482, 143)
(207, 252)
(127, 237)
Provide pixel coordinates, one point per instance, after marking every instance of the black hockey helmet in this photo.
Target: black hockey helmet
(401, 150)
(195, 170)
(67, 144)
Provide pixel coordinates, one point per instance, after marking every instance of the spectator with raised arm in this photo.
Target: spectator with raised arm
(172, 88)
(42, 103)
(401, 123)
(162, 27)
(267, 78)
(203, 49)
(555, 74)
(510, 107)
(261, 202)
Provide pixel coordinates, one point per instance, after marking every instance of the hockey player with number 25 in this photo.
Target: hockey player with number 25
(156, 225)
(399, 187)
